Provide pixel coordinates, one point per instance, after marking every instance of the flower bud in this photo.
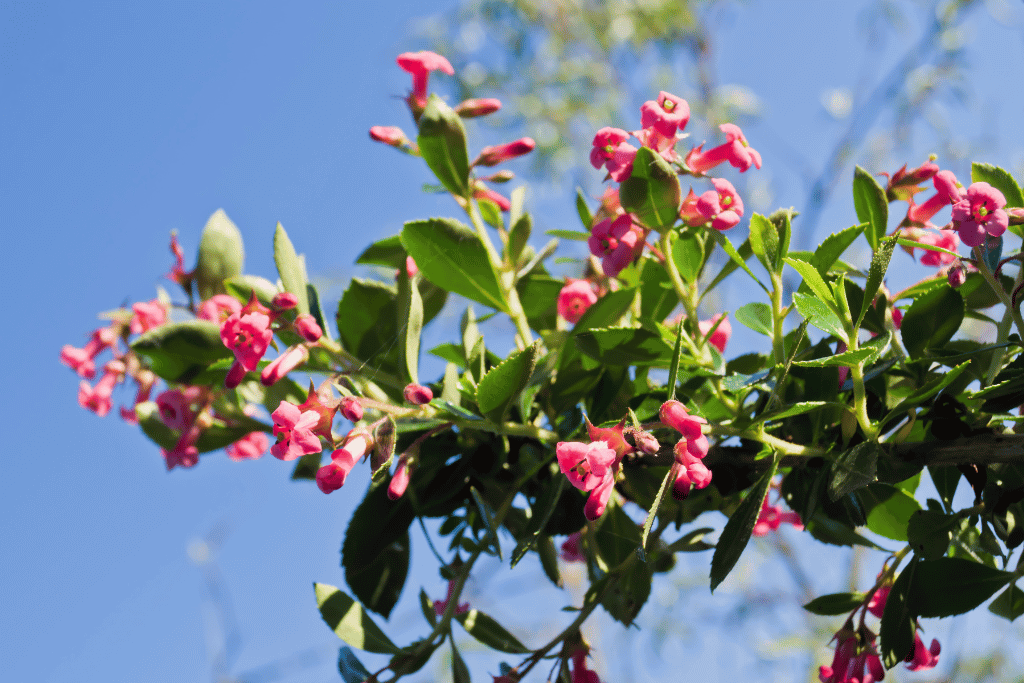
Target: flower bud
(494, 155)
(400, 481)
(417, 394)
(283, 364)
(389, 135)
(234, 376)
(306, 326)
(472, 108)
(956, 276)
(646, 442)
(351, 409)
(285, 301)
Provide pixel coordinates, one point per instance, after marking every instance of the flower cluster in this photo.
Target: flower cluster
(771, 517)
(690, 450)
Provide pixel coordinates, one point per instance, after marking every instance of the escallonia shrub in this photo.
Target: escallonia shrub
(616, 390)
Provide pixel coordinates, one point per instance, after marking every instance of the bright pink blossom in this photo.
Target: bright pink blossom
(283, 364)
(575, 298)
(721, 208)
(185, 453)
(147, 315)
(850, 660)
(284, 301)
(612, 152)
(580, 672)
(252, 446)
(331, 476)
(441, 605)
(411, 269)
(420, 64)
(145, 381)
(948, 190)
(307, 327)
(417, 394)
(946, 239)
(178, 273)
(665, 145)
(876, 605)
(82, 361)
(248, 336)
(293, 429)
(175, 408)
(572, 548)
(691, 470)
(956, 276)
(585, 465)
(496, 154)
(736, 150)
(98, 398)
(400, 480)
(980, 212)
(351, 409)
(616, 242)
(720, 337)
(487, 193)
(922, 659)
(674, 414)
(667, 114)
(218, 308)
(772, 517)
(474, 107)
(903, 184)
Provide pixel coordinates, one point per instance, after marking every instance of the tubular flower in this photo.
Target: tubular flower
(572, 549)
(252, 446)
(147, 315)
(389, 135)
(772, 517)
(580, 672)
(667, 114)
(674, 414)
(616, 242)
(351, 409)
(175, 408)
(283, 364)
(613, 437)
(946, 239)
(420, 64)
(400, 480)
(82, 361)
(691, 471)
(904, 184)
(720, 208)
(218, 308)
(417, 394)
(331, 476)
(575, 298)
(736, 150)
(471, 108)
(492, 156)
(876, 605)
(185, 453)
(178, 273)
(612, 152)
(585, 465)
(651, 138)
(307, 327)
(482, 192)
(294, 431)
(98, 398)
(921, 659)
(850, 661)
(247, 336)
(980, 212)
(720, 337)
(948, 190)
(441, 605)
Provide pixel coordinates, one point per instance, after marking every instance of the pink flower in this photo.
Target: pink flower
(616, 242)
(598, 500)
(178, 273)
(82, 360)
(307, 327)
(411, 269)
(848, 664)
(420, 64)
(946, 239)
(331, 476)
(482, 192)
(612, 152)
(400, 480)
(876, 605)
(979, 212)
(664, 145)
(175, 408)
(903, 184)
(674, 414)
(572, 549)
(185, 453)
(441, 605)
(720, 337)
(921, 659)
(580, 673)
(613, 437)
(218, 307)
(147, 315)
(691, 471)
(293, 429)
(252, 446)
(586, 465)
(956, 276)
(772, 517)
(474, 107)
(98, 398)
(575, 298)
(351, 409)
(947, 191)
(666, 115)
(736, 150)
(390, 135)
(492, 156)
(248, 336)
(417, 394)
(283, 364)
(145, 381)
(284, 301)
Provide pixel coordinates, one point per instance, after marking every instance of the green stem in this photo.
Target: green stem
(860, 402)
(686, 296)
(783, 447)
(778, 316)
(1002, 330)
(1000, 292)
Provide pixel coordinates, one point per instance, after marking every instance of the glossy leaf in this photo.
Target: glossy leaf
(625, 346)
(688, 255)
(819, 315)
(871, 205)
(367, 318)
(501, 386)
(890, 510)
(848, 359)
(1009, 604)
(586, 218)
(606, 311)
(854, 468)
(178, 351)
(812, 279)
(574, 235)
(757, 316)
(835, 603)
(833, 246)
(738, 259)
(952, 585)
(489, 632)
(932, 320)
(518, 237)
(409, 323)
(386, 252)
(451, 256)
(242, 288)
(999, 179)
(221, 254)
(736, 533)
(291, 268)
(651, 193)
(876, 272)
(350, 622)
(442, 144)
(764, 240)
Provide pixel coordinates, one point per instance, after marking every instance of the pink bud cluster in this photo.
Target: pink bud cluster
(690, 450)
(592, 467)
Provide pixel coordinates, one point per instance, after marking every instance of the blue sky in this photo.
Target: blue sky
(124, 121)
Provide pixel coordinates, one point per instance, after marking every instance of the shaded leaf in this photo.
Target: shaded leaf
(736, 533)
(952, 585)
(854, 468)
(835, 603)
(489, 632)
(442, 143)
(350, 622)
(651, 193)
(932, 320)
(177, 351)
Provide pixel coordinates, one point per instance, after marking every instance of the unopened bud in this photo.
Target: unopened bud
(502, 176)
(351, 409)
(283, 364)
(389, 135)
(472, 108)
(400, 481)
(285, 301)
(492, 156)
(234, 376)
(307, 327)
(417, 394)
(956, 276)
(646, 442)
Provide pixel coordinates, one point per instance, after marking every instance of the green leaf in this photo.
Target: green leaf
(813, 280)
(871, 205)
(688, 255)
(290, 268)
(835, 604)
(625, 346)
(848, 359)
(820, 315)
(569, 235)
(491, 213)
(386, 252)
(626, 597)
(350, 622)
(442, 143)
(489, 632)
(452, 257)
(876, 272)
(178, 351)
(409, 323)
(898, 622)
(460, 672)
(926, 392)
(501, 386)
(379, 584)
(764, 240)
(930, 532)
(306, 467)
(653, 512)
(951, 585)
(350, 668)
(890, 510)
(854, 468)
(737, 530)
(757, 316)
(657, 295)
(606, 311)
(673, 368)
(617, 537)
(242, 288)
(538, 295)
(542, 509)
(518, 237)
(691, 542)
(833, 246)
(367, 322)
(932, 320)
(1001, 180)
(586, 218)
(798, 409)
(651, 193)
(1009, 604)
(221, 254)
